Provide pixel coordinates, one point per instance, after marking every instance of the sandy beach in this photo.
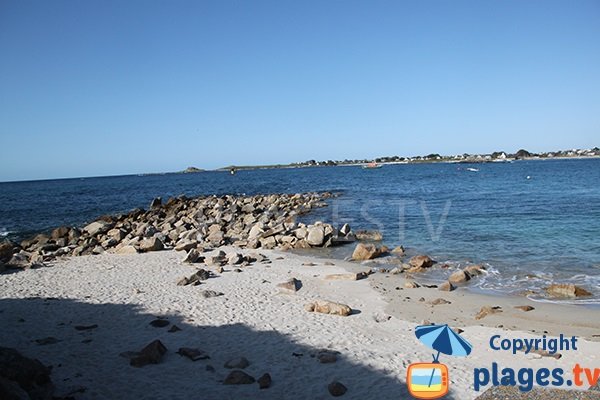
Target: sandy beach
(59, 306)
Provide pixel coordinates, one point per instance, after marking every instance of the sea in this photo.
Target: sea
(530, 222)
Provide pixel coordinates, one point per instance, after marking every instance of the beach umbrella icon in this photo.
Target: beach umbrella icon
(444, 340)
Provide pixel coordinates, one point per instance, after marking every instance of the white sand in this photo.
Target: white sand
(122, 294)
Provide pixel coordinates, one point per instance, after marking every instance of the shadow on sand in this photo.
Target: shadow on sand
(87, 363)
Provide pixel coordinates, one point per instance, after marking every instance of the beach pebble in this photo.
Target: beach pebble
(292, 285)
(327, 356)
(379, 317)
(525, 308)
(439, 301)
(336, 389)
(411, 285)
(488, 310)
(264, 382)
(192, 354)
(207, 294)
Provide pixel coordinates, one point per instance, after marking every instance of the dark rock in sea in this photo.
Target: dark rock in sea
(173, 329)
(566, 290)
(238, 377)
(23, 378)
(420, 262)
(459, 277)
(366, 252)
(375, 236)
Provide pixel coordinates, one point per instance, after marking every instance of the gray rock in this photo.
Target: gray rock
(238, 363)
(23, 378)
(264, 382)
(151, 354)
(192, 353)
(446, 286)
(238, 377)
(207, 294)
(151, 244)
(345, 230)
(293, 285)
(459, 277)
(98, 227)
(316, 236)
(192, 256)
(336, 389)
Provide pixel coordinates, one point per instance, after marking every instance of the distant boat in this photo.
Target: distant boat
(473, 169)
(372, 165)
(232, 171)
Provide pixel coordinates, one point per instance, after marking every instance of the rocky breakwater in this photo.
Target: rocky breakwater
(262, 221)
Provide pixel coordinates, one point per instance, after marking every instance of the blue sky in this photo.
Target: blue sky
(93, 88)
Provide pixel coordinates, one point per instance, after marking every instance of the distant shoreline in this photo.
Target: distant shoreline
(360, 164)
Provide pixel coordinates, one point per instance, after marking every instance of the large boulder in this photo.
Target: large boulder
(316, 235)
(6, 251)
(23, 378)
(366, 252)
(98, 227)
(60, 232)
(421, 261)
(151, 244)
(459, 277)
(566, 290)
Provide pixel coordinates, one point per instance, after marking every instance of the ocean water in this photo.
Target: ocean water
(529, 222)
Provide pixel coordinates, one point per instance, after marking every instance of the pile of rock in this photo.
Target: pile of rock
(262, 221)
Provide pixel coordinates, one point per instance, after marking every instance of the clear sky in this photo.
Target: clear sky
(93, 88)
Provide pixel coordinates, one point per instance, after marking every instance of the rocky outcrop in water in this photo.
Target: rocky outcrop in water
(262, 221)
